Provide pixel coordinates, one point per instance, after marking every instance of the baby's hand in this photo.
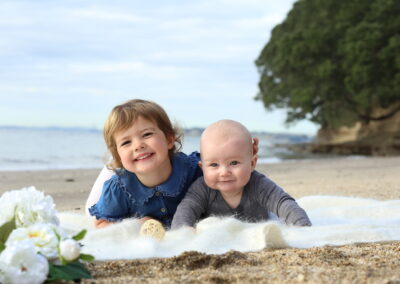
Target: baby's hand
(152, 228)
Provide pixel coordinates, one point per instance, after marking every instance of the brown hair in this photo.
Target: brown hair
(124, 115)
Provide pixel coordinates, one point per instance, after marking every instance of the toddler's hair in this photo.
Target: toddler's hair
(124, 115)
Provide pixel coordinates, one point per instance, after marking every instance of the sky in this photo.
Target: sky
(69, 62)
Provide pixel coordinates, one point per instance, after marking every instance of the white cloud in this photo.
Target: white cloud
(196, 58)
(104, 15)
(104, 67)
(261, 23)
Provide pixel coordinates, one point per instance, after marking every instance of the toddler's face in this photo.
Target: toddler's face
(143, 148)
(227, 163)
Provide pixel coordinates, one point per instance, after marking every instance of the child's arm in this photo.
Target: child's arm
(95, 192)
(112, 206)
(277, 201)
(293, 214)
(192, 207)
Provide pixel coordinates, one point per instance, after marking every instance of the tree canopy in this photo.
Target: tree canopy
(333, 62)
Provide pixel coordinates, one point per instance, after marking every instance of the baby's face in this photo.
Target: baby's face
(227, 163)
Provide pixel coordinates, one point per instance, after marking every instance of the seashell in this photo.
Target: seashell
(152, 228)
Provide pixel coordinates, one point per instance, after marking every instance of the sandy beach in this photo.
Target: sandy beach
(376, 178)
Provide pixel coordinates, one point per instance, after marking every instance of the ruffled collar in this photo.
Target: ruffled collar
(171, 187)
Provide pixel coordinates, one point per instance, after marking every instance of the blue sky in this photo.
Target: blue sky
(67, 63)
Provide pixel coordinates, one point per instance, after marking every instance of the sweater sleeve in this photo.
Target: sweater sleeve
(192, 206)
(277, 201)
(293, 213)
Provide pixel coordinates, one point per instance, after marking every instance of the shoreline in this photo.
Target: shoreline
(260, 162)
(371, 177)
(69, 188)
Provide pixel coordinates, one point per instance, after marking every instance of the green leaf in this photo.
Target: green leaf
(86, 257)
(6, 229)
(72, 271)
(57, 235)
(80, 235)
(62, 259)
(2, 246)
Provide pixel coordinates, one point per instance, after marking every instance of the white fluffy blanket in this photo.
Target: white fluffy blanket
(336, 221)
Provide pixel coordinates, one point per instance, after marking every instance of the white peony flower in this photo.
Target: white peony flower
(3, 275)
(70, 249)
(29, 206)
(42, 236)
(23, 264)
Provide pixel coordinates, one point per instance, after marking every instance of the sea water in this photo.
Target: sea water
(24, 148)
(56, 148)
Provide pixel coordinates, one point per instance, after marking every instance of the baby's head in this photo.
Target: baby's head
(123, 116)
(227, 157)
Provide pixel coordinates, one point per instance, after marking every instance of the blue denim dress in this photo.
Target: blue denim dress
(124, 196)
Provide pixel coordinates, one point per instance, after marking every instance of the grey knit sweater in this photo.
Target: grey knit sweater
(260, 197)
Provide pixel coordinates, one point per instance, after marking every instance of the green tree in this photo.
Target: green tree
(333, 62)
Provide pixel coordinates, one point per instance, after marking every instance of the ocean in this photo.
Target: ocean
(26, 148)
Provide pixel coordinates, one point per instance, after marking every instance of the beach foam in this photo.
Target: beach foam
(336, 221)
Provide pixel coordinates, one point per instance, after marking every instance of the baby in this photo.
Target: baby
(230, 185)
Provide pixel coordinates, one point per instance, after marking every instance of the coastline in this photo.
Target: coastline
(372, 177)
(69, 188)
(367, 177)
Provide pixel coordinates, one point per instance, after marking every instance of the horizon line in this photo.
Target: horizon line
(96, 129)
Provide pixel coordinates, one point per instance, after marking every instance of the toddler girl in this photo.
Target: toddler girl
(150, 176)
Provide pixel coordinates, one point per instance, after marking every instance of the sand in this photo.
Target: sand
(377, 178)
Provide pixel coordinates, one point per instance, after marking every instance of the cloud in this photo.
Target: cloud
(190, 56)
(104, 67)
(104, 15)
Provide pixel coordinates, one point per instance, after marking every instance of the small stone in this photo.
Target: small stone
(300, 277)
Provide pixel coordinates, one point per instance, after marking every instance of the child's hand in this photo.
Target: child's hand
(102, 223)
(144, 219)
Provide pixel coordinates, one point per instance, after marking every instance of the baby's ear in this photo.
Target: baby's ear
(254, 162)
(200, 165)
